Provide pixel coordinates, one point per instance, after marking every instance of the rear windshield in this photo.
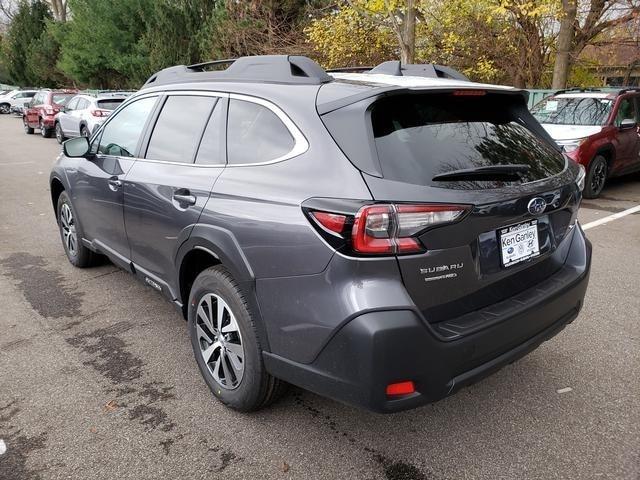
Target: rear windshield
(573, 110)
(418, 137)
(62, 98)
(110, 104)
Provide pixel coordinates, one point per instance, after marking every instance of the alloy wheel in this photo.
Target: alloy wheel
(220, 341)
(43, 131)
(599, 177)
(68, 226)
(4, 108)
(59, 133)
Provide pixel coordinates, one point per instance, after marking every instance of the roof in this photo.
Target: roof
(586, 95)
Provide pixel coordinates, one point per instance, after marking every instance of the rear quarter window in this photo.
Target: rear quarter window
(255, 134)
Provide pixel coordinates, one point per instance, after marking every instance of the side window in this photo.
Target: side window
(626, 111)
(73, 104)
(255, 134)
(121, 135)
(179, 127)
(211, 150)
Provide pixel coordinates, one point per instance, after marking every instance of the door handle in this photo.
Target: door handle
(184, 196)
(114, 183)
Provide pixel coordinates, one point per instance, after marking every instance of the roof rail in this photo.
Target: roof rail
(289, 69)
(348, 69)
(431, 70)
(578, 89)
(629, 89)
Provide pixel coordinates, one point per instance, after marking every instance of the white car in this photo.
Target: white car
(15, 98)
(84, 113)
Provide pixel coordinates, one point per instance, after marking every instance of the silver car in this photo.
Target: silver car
(84, 113)
(15, 99)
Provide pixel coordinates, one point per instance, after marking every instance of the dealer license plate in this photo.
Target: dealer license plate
(519, 242)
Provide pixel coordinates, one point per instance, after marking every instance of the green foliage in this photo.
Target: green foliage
(102, 44)
(21, 46)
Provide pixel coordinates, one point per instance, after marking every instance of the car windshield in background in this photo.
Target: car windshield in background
(573, 110)
(62, 98)
(110, 104)
(421, 137)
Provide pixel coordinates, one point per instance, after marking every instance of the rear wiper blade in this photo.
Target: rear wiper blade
(492, 172)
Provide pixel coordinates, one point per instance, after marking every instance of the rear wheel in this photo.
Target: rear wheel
(71, 234)
(225, 343)
(27, 129)
(59, 134)
(84, 131)
(596, 177)
(44, 131)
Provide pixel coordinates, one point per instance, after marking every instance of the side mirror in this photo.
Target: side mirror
(627, 123)
(76, 147)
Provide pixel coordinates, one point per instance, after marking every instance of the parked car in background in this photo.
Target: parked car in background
(84, 113)
(598, 129)
(383, 238)
(15, 99)
(41, 111)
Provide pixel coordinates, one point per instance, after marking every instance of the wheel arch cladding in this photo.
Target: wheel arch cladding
(208, 246)
(609, 154)
(56, 189)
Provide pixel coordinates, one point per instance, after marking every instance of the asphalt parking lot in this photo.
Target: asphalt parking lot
(97, 377)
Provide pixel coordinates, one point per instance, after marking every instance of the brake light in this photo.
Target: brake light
(469, 93)
(49, 110)
(100, 113)
(388, 229)
(332, 222)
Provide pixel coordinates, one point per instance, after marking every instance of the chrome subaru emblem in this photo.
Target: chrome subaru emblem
(536, 205)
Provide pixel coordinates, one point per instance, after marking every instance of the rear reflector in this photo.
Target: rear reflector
(401, 388)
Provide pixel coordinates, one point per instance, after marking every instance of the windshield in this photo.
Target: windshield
(419, 137)
(62, 98)
(573, 110)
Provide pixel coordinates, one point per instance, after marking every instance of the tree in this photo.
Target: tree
(102, 44)
(28, 24)
(581, 24)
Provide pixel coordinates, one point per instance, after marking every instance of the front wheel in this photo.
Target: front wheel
(5, 108)
(27, 129)
(225, 343)
(59, 134)
(596, 177)
(71, 234)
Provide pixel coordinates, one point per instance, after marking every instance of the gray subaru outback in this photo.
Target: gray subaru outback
(381, 236)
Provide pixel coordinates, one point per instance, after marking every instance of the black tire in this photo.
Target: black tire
(44, 131)
(5, 108)
(27, 129)
(80, 256)
(596, 177)
(257, 388)
(84, 131)
(59, 134)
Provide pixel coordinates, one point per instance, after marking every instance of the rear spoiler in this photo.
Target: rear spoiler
(327, 107)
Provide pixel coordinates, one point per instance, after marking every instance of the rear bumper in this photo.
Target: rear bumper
(382, 347)
(49, 121)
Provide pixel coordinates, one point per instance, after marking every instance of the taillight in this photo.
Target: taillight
(386, 229)
(100, 113)
(332, 222)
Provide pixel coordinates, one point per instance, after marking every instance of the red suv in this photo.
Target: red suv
(598, 129)
(41, 111)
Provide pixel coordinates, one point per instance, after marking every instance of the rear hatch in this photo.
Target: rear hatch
(478, 149)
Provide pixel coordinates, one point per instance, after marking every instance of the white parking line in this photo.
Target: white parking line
(610, 218)
(10, 164)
